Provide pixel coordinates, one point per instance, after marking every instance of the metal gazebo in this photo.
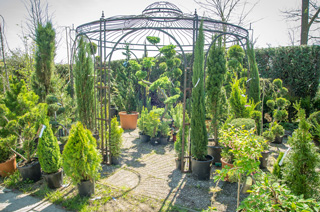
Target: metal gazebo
(161, 19)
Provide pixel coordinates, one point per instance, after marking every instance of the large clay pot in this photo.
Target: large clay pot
(128, 121)
(86, 188)
(8, 167)
(54, 180)
(201, 169)
(30, 171)
(223, 164)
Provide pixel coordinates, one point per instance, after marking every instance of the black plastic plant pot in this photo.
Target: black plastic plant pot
(86, 188)
(278, 140)
(144, 138)
(154, 141)
(215, 152)
(264, 159)
(30, 171)
(201, 169)
(54, 180)
(113, 112)
(115, 160)
(178, 164)
(163, 140)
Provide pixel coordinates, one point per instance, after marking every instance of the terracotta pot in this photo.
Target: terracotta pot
(8, 167)
(223, 164)
(128, 121)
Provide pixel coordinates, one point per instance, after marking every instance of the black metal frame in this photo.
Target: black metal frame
(161, 19)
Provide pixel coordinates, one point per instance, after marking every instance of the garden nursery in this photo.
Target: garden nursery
(161, 111)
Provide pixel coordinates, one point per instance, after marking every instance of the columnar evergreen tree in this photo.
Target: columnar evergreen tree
(254, 83)
(44, 59)
(217, 70)
(199, 137)
(84, 86)
(300, 169)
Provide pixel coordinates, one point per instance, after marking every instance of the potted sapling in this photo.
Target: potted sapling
(81, 159)
(142, 124)
(164, 132)
(152, 127)
(50, 157)
(115, 141)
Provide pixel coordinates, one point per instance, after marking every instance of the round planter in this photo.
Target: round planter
(178, 164)
(201, 169)
(31, 171)
(278, 140)
(86, 188)
(163, 140)
(215, 152)
(8, 167)
(264, 159)
(113, 112)
(223, 164)
(144, 138)
(54, 180)
(128, 121)
(115, 160)
(154, 141)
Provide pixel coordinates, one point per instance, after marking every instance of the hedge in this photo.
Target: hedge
(297, 66)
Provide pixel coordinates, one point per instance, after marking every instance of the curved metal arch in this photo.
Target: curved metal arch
(134, 30)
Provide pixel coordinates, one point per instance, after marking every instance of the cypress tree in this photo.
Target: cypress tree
(84, 86)
(44, 59)
(217, 70)
(199, 137)
(254, 83)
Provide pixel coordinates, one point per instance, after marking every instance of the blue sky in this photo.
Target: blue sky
(270, 28)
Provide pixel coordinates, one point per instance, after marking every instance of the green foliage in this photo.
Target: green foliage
(277, 169)
(256, 116)
(314, 120)
(115, 138)
(49, 151)
(168, 51)
(277, 130)
(254, 83)
(244, 123)
(199, 137)
(20, 118)
(217, 70)
(300, 171)
(268, 195)
(5, 144)
(297, 66)
(152, 123)
(153, 40)
(177, 115)
(84, 83)
(44, 58)
(178, 143)
(238, 101)
(142, 121)
(81, 159)
(164, 129)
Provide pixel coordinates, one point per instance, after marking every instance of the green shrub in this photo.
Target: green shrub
(5, 144)
(314, 120)
(142, 121)
(81, 159)
(178, 143)
(49, 151)
(300, 171)
(277, 130)
(247, 123)
(277, 169)
(164, 129)
(199, 137)
(115, 138)
(256, 116)
(254, 83)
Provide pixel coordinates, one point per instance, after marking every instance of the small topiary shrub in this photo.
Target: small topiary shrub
(247, 123)
(49, 151)
(81, 159)
(115, 138)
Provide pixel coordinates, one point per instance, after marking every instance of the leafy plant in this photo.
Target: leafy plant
(254, 83)
(84, 83)
(300, 171)
(314, 120)
(269, 195)
(142, 121)
(81, 159)
(199, 137)
(277, 169)
(177, 115)
(217, 70)
(152, 123)
(49, 151)
(244, 123)
(164, 129)
(178, 143)
(115, 138)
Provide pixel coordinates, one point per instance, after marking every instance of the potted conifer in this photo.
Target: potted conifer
(164, 131)
(50, 157)
(201, 162)
(115, 141)
(217, 70)
(81, 159)
(142, 124)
